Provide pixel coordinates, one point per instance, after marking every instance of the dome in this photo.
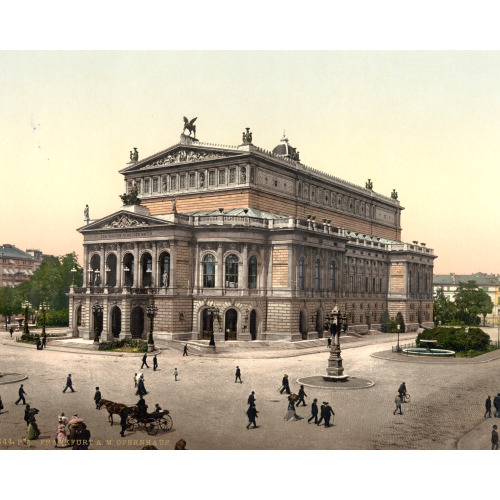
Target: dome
(285, 149)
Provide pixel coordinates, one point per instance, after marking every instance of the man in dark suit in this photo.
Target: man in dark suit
(328, 411)
(185, 353)
(251, 398)
(69, 384)
(322, 412)
(11, 332)
(302, 394)
(21, 395)
(144, 361)
(97, 397)
(285, 386)
(155, 363)
(314, 412)
(252, 415)
(123, 422)
(238, 375)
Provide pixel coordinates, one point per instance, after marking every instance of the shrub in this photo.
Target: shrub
(384, 320)
(401, 322)
(456, 339)
(54, 318)
(140, 345)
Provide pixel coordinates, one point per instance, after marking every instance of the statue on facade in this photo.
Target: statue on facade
(369, 184)
(394, 194)
(174, 205)
(189, 125)
(165, 279)
(294, 155)
(86, 214)
(247, 136)
(134, 155)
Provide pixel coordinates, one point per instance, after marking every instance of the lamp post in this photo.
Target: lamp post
(26, 305)
(96, 310)
(151, 311)
(337, 323)
(73, 272)
(398, 327)
(126, 270)
(43, 308)
(214, 311)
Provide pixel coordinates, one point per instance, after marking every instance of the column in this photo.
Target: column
(196, 261)
(105, 316)
(125, 331)
(292, 268)
(102, 268)
(244, 269)
(154, 266)
(136, 265)
(85, 265)
(119, 266)
(219, 271)
(173, 268)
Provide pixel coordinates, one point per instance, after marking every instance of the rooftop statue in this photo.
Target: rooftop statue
(247, 136)
(369, 184)
(189, 125)
(394, 194)
(134, 155)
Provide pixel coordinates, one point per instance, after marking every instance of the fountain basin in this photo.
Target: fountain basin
(419, 351)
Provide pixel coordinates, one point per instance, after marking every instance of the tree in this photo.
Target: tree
(131, 197)
(9, 303)
(471, 301)
(444, 310)
(401, 322)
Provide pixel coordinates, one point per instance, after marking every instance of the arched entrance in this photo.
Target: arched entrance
(319, 323)
(137, 322)
(207, 320)
(303, 325)
(116, 321)
(253, 324)
(111, 270)
(99, 324)
(231, 324)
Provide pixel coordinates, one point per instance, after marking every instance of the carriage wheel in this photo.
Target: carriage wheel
(166, 423)
(152, 427)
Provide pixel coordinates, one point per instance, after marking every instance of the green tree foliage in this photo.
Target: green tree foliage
(456, 339)
(444, 310)
(385, 322)
(401, 322)
(131, 197)
(471, 301)
(9, 303)
(50, 283)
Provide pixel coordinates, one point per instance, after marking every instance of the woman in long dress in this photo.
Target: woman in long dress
(61, 435)
(33, 431)
(290, 414)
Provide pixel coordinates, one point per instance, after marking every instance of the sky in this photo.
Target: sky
(423, 122)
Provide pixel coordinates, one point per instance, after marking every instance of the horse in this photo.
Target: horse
(113, 408)
(189, 126)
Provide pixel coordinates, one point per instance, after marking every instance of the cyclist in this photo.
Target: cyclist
(402, 391)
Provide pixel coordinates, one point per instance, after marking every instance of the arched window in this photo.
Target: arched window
(231, 271)
(252, 272)
(209, 271)
(147, 269)
(317, 276)
(332, 276)
(301, 274)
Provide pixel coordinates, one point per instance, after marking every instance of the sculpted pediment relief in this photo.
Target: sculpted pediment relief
(125, 220)
(185, 156)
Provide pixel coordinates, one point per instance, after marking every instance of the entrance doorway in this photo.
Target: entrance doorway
(303, 325)
(253, 324)
(116, 321)
(231, 324)
(207, 324)
(319, 323)
(137, 322)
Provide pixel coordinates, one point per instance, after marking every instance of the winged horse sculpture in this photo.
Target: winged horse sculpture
(189, 125)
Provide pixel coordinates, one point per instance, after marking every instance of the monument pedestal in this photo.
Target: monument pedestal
(335, 370)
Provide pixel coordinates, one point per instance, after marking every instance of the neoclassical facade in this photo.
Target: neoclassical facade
(247, 244)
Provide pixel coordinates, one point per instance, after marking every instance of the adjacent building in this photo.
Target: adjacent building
(247, 244)
(16, 266)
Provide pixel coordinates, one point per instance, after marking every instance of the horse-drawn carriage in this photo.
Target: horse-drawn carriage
(152, 422)
(138, 417)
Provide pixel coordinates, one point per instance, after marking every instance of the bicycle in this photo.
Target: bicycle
(406, 398)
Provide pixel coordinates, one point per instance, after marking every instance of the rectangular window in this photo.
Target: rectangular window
(164, 183)
(380, 285)
(358, 288)
(138, 185)
(222, 176)
(173, 182)
(366, 285)
(192, 180)
(155, 185)
(485, 288)
(211, 178)
(373, 285)
(232, 175)
(182, 182)
(146, 186)
(351, 283)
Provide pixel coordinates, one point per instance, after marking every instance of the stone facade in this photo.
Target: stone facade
(246, 244)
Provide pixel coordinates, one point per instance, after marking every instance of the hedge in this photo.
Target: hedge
(140, 345)
(456, 339)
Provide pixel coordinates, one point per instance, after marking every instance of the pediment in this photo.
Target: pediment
(124, 220)
(182, 154)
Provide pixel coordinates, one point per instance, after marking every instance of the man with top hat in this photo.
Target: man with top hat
(285, 385)
(328, 411)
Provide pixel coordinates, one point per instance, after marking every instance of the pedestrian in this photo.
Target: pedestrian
(302, 394)
(82, 437)
(291, 415)
(123, 421)
(69, 384)
(496, 404)
(27, 415)
(328, 411)
(136, 379)
(402, 391)
(44, 341)
(11, 332)
(21, 395)
(238, 375)
(97, 398)
(252, 415)
(494, 438)
(157, 408)
(314, 412)
(155, 363)
(33, 430)
(322, 413)
(39, 345)
(180, 445)
(141, 389)
(251, 398)
(62, 417)
(144, 361)
(488, 407)
(175, 374)
(398, 401)
(141, 406)
(1, 404)
(185, 353)
(329, 342)
(73, 426)
(285, 385)
(61, 439)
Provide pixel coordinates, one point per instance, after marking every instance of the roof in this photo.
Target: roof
(11, 252)
(482, 279)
